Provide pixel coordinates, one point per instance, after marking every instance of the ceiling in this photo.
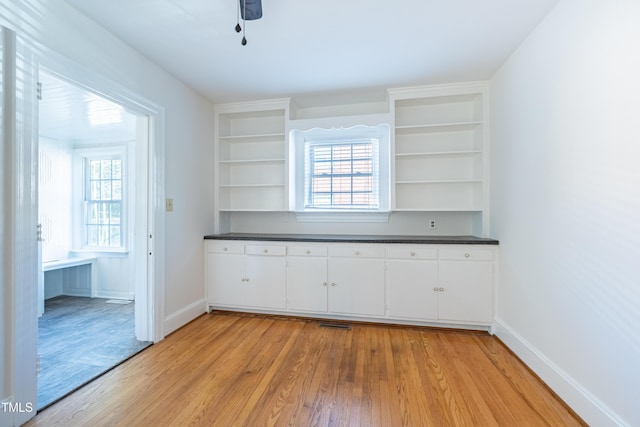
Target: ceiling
(75, 116)
(304, 47)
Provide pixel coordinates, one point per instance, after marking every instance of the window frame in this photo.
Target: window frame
(84, 157)
(300, 140)
(334, 177)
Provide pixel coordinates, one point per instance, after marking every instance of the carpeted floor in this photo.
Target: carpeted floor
(79, 339)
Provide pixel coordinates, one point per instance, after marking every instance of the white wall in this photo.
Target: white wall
(400, 223)
(54, 25)
(566, 205)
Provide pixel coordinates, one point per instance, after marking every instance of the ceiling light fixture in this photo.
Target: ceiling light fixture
(250, 10)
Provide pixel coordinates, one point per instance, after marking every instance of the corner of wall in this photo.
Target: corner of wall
(586, 405)
(178, 319)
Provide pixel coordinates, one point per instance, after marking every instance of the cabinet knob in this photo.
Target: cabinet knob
(333, 284)
(467, 255)
(224, 249)
(441, 289)
(307, 252)
(266, 251)
(413, 254)
(357, 252)
(324, 283)
(435, 289)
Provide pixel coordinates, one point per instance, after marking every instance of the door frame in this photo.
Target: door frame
(151, 296)
(23, 277)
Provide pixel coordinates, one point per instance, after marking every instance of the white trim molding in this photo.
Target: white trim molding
(185, 315)
(585, 404)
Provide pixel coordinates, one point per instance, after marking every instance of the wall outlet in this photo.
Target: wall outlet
(432, 224)
(169, 205)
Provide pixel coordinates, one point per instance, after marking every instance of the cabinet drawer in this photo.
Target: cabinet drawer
(225, 248)
(412, 252)
(466, 254)
(307, 250)
(357, 251)
(267, 250)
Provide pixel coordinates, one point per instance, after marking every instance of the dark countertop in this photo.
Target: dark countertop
(434, 240)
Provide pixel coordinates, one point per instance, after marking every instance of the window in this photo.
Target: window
(340, 174)
(104, 202)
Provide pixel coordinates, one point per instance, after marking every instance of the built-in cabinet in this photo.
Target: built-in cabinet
(439, 152)
(251, 156)
(338, 280)
(246, 275)
(396, 283)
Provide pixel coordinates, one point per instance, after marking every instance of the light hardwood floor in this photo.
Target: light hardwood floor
(230, 369)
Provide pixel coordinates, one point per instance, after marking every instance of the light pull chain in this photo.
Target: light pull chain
(238, 27)
(244, 23)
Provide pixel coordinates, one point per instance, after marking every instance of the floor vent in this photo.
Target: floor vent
(335, 325)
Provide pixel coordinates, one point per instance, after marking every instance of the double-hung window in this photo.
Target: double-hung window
(337, 174)
(342, 175)
(103, 202)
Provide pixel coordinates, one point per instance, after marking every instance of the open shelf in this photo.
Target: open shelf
(439, 147)
(251, 153)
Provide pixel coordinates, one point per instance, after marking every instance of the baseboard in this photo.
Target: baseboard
(183, 316)
(586, 405)
(114, 294)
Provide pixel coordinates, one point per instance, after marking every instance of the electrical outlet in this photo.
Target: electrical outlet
(432, 224)
(169, 205)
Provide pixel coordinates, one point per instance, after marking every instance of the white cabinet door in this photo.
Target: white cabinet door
(225, 279)
(410, 289)
(307, 284)
(265, 281)
(356, 286)
(466, 291)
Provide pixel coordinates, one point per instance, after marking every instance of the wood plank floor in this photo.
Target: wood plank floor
(230, 369)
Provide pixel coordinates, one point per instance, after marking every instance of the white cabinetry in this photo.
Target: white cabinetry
(349, 282)
(453, 284)
(356, 280)
(307, 284)
(465, 289)
(251, 156)
(397, 283)
(246, 275)
(412, 274)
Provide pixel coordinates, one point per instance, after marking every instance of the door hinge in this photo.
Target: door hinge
(39, 91)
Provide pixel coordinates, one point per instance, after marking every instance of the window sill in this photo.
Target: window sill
(332, 216)
(115, 253)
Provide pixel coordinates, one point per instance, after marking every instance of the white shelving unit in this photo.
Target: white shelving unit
(251, 148)
(439, 154)
(440, 149)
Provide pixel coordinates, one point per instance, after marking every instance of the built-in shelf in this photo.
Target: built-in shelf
(251, 151)
(439, 154)
(439, 148)
(435, 128)
(439, 145)
(439, 181)
(250, 185)
(252, 161)
(252, 137)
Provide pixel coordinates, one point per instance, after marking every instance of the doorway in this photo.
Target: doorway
(21, 62)
(91, 203)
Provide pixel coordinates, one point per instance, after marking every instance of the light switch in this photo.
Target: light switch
(169, 205)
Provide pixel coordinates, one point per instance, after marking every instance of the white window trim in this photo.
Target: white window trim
(298, 138)
(81, 155)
